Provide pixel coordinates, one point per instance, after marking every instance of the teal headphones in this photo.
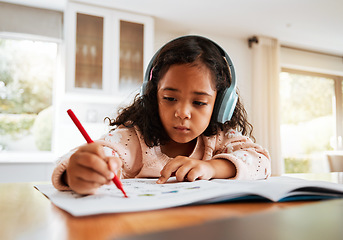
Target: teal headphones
(225, 102)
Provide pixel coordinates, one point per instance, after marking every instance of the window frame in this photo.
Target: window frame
(337, 105)
(338, 108)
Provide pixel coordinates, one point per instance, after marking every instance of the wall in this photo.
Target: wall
(311, 61)
(26, 172)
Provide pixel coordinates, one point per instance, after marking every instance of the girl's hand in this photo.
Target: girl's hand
(185, 167)
(89, 168)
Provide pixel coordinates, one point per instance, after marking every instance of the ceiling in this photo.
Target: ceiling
(309, 24)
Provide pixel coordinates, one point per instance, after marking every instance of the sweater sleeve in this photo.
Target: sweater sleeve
(60, 168)
(250, 159)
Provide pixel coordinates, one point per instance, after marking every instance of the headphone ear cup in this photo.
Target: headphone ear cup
(227, 105)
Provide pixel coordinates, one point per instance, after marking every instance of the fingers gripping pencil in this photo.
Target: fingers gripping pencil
(78, 124)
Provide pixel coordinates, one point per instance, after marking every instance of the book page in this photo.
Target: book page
(279, 188)
(146, 194)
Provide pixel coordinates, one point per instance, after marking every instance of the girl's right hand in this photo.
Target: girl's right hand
(89, 168)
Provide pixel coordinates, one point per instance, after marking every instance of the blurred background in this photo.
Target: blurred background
(90, 56)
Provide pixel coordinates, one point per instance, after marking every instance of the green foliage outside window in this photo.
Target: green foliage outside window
(16, 125)
(305, 98)
(25, 77)
(42, 129)
(307, 119)
(297, 165)
(26, 81)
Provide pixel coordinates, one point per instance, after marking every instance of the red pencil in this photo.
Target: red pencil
(71, 114)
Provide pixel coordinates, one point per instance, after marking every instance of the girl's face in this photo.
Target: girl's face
(186, 96)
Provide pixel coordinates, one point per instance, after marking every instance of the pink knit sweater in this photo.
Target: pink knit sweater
(139, 161)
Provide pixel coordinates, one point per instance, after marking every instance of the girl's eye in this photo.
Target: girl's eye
(170, 99)
(200, 103)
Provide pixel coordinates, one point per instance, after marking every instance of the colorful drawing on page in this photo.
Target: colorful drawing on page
(146, 195)
(174, 191)
(138, 188)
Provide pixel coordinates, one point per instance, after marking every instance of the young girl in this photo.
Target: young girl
(173, 127)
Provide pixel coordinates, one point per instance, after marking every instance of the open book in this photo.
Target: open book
(145, 194)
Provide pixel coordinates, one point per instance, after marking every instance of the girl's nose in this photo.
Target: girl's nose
(183, 112)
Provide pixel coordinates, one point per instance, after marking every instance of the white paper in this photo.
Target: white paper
(146, 194)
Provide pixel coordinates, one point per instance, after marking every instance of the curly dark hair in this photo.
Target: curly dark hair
(143, 112)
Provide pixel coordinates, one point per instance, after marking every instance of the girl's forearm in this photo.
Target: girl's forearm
(223, 168)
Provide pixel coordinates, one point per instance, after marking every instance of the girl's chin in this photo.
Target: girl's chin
(179, 140)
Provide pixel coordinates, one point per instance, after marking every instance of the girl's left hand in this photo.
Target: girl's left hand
(187, 168)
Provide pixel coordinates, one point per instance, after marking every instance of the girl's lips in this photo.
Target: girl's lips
(181, 128)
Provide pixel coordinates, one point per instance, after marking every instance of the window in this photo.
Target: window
(27, 70)
(311, 119)
(29, 58)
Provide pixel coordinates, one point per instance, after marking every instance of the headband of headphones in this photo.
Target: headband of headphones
(225, 103)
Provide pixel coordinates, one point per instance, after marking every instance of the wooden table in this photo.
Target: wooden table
(26, 214)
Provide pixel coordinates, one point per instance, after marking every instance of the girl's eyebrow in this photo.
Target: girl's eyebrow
(170, 89)
(195, 92)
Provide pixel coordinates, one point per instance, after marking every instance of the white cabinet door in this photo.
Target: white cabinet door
(107, 51)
